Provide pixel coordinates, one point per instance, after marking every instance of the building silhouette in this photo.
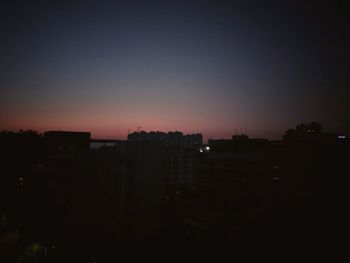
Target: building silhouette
(171, 139)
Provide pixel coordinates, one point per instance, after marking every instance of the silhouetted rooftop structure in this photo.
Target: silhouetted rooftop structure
(174, 139)
(304, 132)
(67, 139)
(238, 144)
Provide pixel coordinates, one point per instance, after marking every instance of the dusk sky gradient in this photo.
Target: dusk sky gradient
(194, 66)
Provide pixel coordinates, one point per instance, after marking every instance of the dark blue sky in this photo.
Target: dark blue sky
(195, 66)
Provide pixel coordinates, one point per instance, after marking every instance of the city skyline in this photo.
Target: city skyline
(313, 129)
(197, 66)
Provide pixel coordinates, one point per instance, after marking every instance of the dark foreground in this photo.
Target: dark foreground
(66, 202)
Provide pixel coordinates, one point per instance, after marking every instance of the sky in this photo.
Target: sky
(214, 67)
